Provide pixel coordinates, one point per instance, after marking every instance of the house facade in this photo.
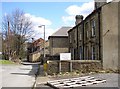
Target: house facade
(85, 42)
(90, 39)
(58, 42)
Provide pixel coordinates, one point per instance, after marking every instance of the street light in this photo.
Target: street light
(44, 38)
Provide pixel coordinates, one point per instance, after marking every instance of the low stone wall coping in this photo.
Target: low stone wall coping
(74, 61)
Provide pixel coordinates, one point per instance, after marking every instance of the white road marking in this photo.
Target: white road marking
(75, 82)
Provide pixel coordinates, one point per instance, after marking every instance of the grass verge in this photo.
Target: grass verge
(6, 62)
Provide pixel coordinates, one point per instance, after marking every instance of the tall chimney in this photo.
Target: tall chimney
(99, 3)
(8, 29)
(79, 18)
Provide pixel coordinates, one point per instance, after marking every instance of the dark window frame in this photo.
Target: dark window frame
(93, 28)
(86, 30)
(81, 52)
(93, 51)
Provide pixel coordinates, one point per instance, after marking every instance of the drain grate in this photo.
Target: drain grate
(75, 82)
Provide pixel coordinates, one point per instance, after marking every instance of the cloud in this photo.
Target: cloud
(37, 21)
(73, 10)
(67, 19)
(84, 9)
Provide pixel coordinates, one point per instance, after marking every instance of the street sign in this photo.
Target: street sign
(65, 56)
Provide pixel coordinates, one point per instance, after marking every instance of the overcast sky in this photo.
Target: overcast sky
(51, 14)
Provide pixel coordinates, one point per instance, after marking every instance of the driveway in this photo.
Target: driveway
(18, 75)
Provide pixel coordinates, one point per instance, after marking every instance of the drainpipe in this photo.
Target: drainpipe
(77, 43)
(83, 40)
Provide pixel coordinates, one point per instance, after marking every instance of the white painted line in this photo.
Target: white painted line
(75, 82)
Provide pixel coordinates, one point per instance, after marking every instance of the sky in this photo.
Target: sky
(53, 15)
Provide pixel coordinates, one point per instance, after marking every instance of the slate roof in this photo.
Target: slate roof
(63, 31)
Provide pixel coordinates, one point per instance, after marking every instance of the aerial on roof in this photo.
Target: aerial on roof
(63, 31)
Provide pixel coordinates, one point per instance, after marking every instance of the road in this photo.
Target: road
(18, 75)
(111, 82)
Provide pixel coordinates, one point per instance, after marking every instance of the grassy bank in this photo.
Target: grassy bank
(6, 62)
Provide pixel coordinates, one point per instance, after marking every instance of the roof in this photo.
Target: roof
(63, 31)
(38, 41)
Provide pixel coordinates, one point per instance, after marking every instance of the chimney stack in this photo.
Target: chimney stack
(79, 18)
(99, 3)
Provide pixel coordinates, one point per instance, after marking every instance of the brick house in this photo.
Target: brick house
(35, 50)
(96, 37)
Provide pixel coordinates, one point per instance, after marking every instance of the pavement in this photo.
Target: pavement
(18, 75)
(111, 80)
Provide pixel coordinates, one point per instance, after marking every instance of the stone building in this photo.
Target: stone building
(96, 37)
(58, 42)
(73, 38)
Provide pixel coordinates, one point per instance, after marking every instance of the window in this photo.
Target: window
(72, 53)
(80, 36)
(80, 33)
(93, 25)
(87, 34)
(75, 35)
(70, 38)
(93, 52)
(86, 53)
(81, 52)
(86, 31)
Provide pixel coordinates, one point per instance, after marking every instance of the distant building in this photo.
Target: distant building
(35, 50)
(96, 37)
(58, 42)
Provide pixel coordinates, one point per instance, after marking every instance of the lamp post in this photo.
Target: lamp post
(44, 38)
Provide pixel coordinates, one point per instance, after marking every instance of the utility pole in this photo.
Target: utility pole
(44, 39)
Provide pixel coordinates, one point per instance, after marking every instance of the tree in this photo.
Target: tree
(17, 29)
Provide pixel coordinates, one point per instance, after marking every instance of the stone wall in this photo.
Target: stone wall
(77, 65)
(34, 57)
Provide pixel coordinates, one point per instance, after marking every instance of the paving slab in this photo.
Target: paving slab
(18, 75)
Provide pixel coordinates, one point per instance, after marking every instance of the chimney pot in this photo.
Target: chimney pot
(99, 3)
(79, 18)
